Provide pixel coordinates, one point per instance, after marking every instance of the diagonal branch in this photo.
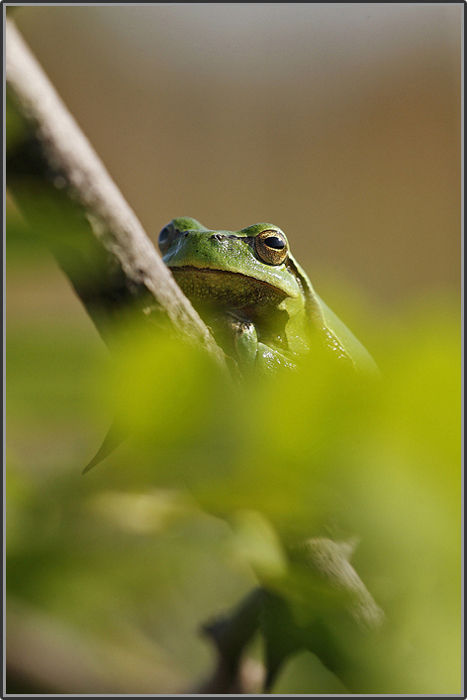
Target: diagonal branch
(98, 241)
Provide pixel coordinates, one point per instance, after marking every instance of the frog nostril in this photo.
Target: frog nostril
(217, 236)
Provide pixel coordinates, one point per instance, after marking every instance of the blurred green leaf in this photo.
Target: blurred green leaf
(214, 482)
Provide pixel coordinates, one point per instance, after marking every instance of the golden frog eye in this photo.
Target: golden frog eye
(271, 246)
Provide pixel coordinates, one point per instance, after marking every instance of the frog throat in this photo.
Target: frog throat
(226, 288)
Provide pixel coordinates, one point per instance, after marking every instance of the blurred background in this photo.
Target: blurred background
(340, 123)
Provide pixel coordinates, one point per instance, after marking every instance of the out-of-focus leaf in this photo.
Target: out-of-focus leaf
(126, 552)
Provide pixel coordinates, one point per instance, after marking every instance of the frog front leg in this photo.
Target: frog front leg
(254, 354)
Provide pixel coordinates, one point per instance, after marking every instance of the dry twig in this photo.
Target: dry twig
(121, 264)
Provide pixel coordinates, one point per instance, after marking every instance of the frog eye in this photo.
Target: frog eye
(166, 237)
(271, 246)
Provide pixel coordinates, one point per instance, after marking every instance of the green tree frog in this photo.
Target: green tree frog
(257, 299)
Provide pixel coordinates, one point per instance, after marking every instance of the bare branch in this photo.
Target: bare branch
(58, 160)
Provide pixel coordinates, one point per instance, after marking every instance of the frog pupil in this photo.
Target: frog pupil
(275, 242)
(164, 234)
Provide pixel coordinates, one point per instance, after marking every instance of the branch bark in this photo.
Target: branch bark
(101, 246)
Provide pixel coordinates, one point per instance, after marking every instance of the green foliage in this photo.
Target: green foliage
(212, 485)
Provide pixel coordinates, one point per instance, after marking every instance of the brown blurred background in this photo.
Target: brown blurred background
(339, 123)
